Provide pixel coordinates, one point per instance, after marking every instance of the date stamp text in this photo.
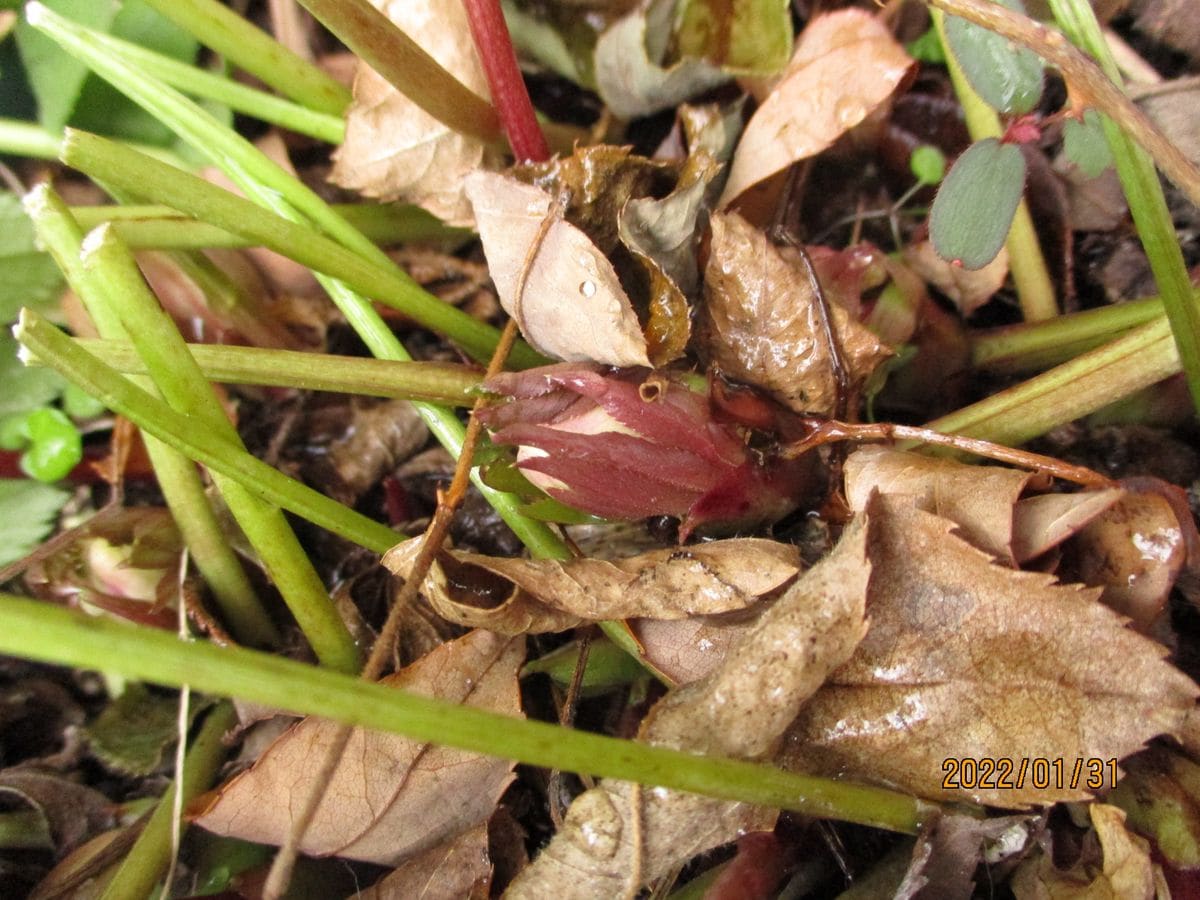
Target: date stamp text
(1040, 773)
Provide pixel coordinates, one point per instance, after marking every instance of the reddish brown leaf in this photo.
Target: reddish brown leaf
(390, 797)
(761, 322)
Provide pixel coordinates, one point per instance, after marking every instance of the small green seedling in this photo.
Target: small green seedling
(1009, 78)
(975, 205)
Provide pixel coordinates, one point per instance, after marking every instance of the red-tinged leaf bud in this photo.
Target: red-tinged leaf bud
(626, 445)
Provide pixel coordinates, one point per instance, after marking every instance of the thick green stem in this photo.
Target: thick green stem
(1147, 204)
(112, 164)
(164, 228)
(177, 476)
(445, 383)
(1085, 384)
(156, 418)
(215, 25)
(409, 69)
(27, 139)
(183, 387)
(1026, 264)
(1033, 346)
(40, 631)
(150, 855)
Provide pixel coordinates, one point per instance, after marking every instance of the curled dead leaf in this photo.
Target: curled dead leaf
(761, 322)
(965, 659)
(616, 836)
(562, 291)
(515, 596)
(393, 149)
(845, 65)
(390, 797)
(458, 868)
(969, 289)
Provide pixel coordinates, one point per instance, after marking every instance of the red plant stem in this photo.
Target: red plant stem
(505, 82)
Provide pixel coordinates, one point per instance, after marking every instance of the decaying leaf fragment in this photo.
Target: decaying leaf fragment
(761, 323)
(1127, 873)
(967, 660)
(845, 65)
(390, 797)
(570, 303)
(515, 596)
(394, 150)
(741, 709)
(456, 869)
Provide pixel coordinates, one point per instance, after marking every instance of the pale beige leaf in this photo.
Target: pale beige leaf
(393, 149)
(966, 659)
(1128, 872)
(741, 709)
(453, 870)
(979, 499)
(1045, 521)
(572, 305)
(845, 65)
(390, 797)
(515, 596)
(761, 322)
(969, 289)
(688, 649)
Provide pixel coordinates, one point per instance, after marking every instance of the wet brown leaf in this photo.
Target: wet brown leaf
(571, 305)
(966, 659)
(72, 812)
(1045, 521)
(515, 596)
(393, 149)
(390, 797)
(740, 710)
(845, 65)
(761, 322)
(457, 869)
(1128, 873)
(950, 850)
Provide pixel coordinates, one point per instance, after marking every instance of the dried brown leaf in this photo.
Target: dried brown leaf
(979, 499)
(1045, 521)
(969, 289)
(458, 868)
(1128, 872)
(393, 149)
(390, 797)
(571, 305)
(761, 323)
(951, 848)
(845, 65)
(966, 659)
(515, 596)
(72, 812)
(688, 649)
(615, 836)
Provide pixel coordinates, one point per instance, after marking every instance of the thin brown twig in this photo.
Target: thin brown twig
(1087, 83)
(828, 431)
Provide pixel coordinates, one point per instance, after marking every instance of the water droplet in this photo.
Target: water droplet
(849, 111)
(587, 288)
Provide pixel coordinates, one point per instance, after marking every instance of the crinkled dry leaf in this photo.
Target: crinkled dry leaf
(965, 660)
(979, 499)
(455, 869)
(390, 797)
(570, 304)
(741, 709)
(629, 57)
(845, 65)
(968, 288)
(515, 596)
(393, 149)
(662, 236)
(761, 322)
(1128, 872)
